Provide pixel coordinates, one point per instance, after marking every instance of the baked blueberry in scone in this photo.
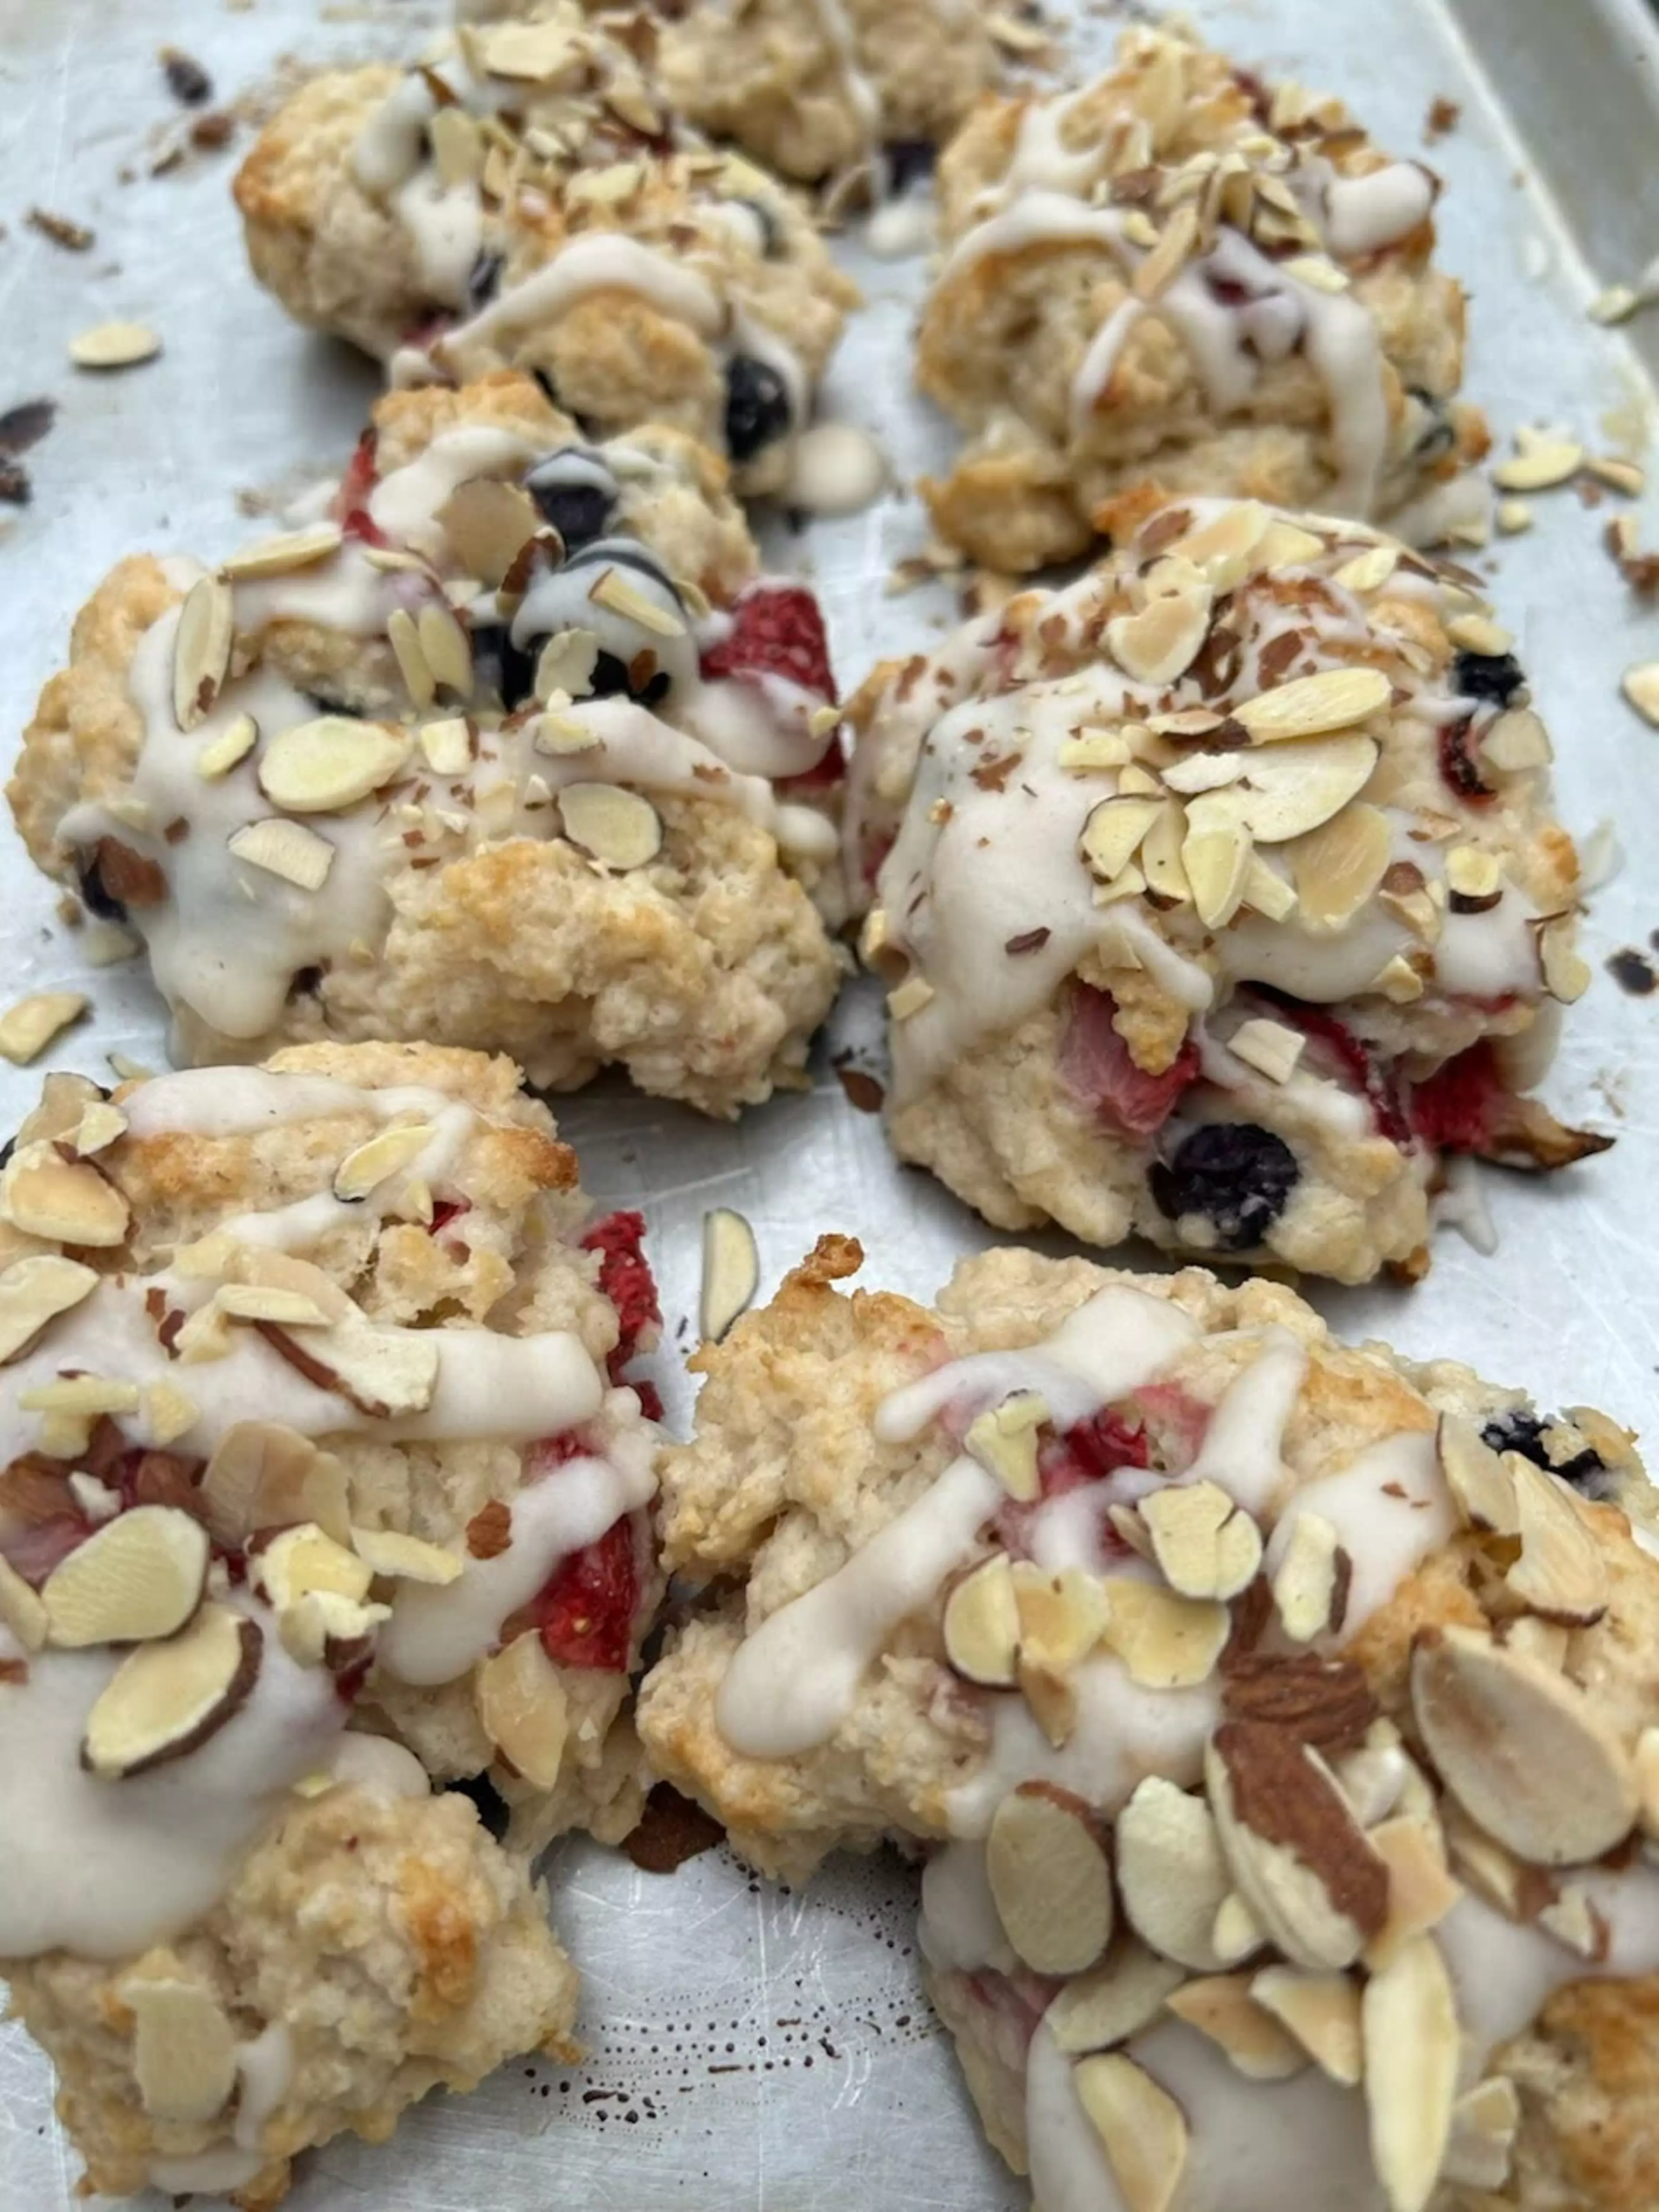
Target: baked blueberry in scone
(1279, 1721)
(1218, 894)
(1176, 275)
(323, 1493)
(514, 752)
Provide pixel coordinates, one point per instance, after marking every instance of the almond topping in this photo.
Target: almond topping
(1004, 1440)
(403, 633)
(332, 762)
(261, 1475)
(1300, 1859)
(617, 827)
(1281, 794)
(1485, 2123)
(613, 590)
(201, 650)
(280, 556)
(1542, 461)
(1559, 1573)
(1113, 2000)
(1215, 859)
(140, 1576)
(489, 524)
(446, 647)
(1411, 2046)
(1566, 974)
(1049, 1878)
(1421, 1892)
(1166, 1642)
(1221, 549)
(521, 1703)
(1310, 1582)
(98, 1128)
(982, 1624)
(20, 1609)
(114, 345)
(371, 1164)
(911, 996)
(1142, 2129)
(447, 744)
(1171, 1877)
(1339, 866)
(566, 666)
(1321, 2011)
(1221, 2007)
(1478, 1481)
(383, 1372)
(287, 849)
(28, 1028)
(298, 1560)
(1159, 644)
(1309, 706)
(166, 1699)
(1525, 1752)
(1369, 570)
(1113, 832)
(34, 1291)
(233, 743)
(1516, 741)
(1206, 1546)
(184, 2048)
(1268, 1047)
(63, 1201)
(406, 1558)
(325, 1628)
(731, 1271)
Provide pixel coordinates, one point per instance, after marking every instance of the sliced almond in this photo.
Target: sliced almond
(287, 849)
(446, 647)
(166, 1699)
(1049, 1878)
(33, 1292)
(1221, 2007)
(280, 556)
(255, 1480)
(1215, 859)
(1238, 1934)
(1281, 794)
(1640, 686)
(140, 1576)
(1142, 2128)
(169, 1413)
(98, 1128)
(1113, 832)
(1339, 866)
(201, 650)
(1421, 1891)
(1300, 1859)
(325, 1628)
(1485, 2121)
(1478, 1478)
(1560, 1574)
(521, 1703)
(1171, 1875)
(1166, 1642)
(447, 744)
(406, 1558)
(1060, 1615)
(1310, 1582)
(1093, 749)
(1647, 1775)
(1478, 633)
(29, 1026)
(63, 1201)
(1113, 2000)
(256, 1302)
(403, 635)
(298, 1560)
(1566, 973)
(1408, 2023)
(565, 667)
(1573, 1919)
(488, 525)
(383, 1372)
(233, 743)
(1159, 644)
(184, 2048)
(1321, 2011)
(1221, 550)
(981, 1624)
(617, 827)
(614, 590)
(1004, 1440)
(1369, 570)
(1286, 546)
(369, 1165)
(731, 1270)
(332, 762)
(64, 1099)
(911, 996)
(1542, 461)
(1206, 1546)
(1515, 742)
(1526, 1754)
(458, 145)
(114, 345)
(1161, 863)
(1310, 705)
(20, 1609)
(1267, 892)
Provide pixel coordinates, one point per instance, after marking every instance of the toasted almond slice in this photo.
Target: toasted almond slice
(1050, 1880)
(1267, 892)
(1281, 794)
(167, 1697)
(64, 1099)
(371, 1164)
(458, 145)
(1515, 742)
(1340, 865)
(1321, 2011)
(521, 1703)
(1165, 1642)
(1221, 2007)
(1172, 1878)
(98, 1128)
(1640, 686)
(298, 1560)
(1560, 1573)
(1238, 1934)
(325, 1628)
(1647, 1777)
(1004, 1440)
(447, 744)
(233, 743)
(383, 1372)
(446, 647)
(1215, 859)
(488, 525)
(169, 1413)
(269, 1302)
(1202, 772)
(1112, 834)
(1479, 634)
(560, 734)
(140, 1576)
(329, 763)
(1158, 644)
(1408, 2024)
(566, 666)
(1627, 477)
(34, 1291)
(63, 1201)
(1142, 2128)
(1060, 1615)
(20, 1609)
(1268, 1047)
(1093, 749)
(1221, 549)
(29, 1026)
(403, 633)
(1485, 2121)
(1310, 706)
(911, 996)
(1369, 570)
(1286, 546)
(87, 1394)
(287, 849)
(1566, 974)
(114, 345)
(1160, 859)
(1573, 1919)
(1475, 880)
(1113, 2000)
(1525, 1752)
(184, 2048)
(1421, 1891)
(981, 1624)
(617, 827)
(1546, 1641)
(282, 554)
(614, 590)
(1310, 1580)
(201, 650)
(1300, 1859)
(1542, 461)
(1206, 1546)
(731, 1270)
(406, 1558)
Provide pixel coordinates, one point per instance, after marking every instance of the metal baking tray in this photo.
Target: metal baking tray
(771, 2051)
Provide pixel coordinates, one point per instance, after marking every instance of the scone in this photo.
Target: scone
(1219, 895)
(1178, 277)
(814, 87)
(513, 753)
(528, 200)
(1282, 1719)
(322, 1485)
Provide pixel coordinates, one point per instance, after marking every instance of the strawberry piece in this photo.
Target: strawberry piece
(1466, 1107)
(1098, 1068)
(1458, 768)
(1353, 1057)
(777, 630)
(584, 1613)
(445, 1210)
(1091, 1451)
(351, 500)
(626, 1279)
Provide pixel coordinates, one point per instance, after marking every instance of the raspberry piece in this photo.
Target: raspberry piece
(1453, 1110)
(626, 1279)
(1093, 1449)
(1353, 1057)
(445, 1210)
(584, 1613)
(777, 630)
(351, 500)
(1099, 1070)
(1457, 762)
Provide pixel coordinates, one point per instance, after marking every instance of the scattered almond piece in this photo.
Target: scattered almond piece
(1640, 686)
(1321, 2011)
(981, 1624)
(1113, 2000)
(521, 1703)
(1172, 1879)
(184, 2048)
(1221, 2007)
(114, 345)
(731, 1270)
(166, 1697)
(1411, 2046)
(1543, 459)
(28, 1028)
(1142, 2128)
(1049, 1877)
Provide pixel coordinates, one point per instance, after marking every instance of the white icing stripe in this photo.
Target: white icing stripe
(1504, 1973)
(599, 261)
(405, 502)
(1244, 1442)
(235, 1102)
(1364, 213)
(1389, 1507)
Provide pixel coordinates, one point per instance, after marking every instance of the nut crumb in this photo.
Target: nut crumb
(187, 80)
(73, 237)
(1443, 118)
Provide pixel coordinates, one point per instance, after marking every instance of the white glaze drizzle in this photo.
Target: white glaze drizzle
(1389, 1507)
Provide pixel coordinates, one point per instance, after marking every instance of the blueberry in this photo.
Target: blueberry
(1237, 1176)
(612, 680)
(578, 508)
(1439, 436)
(306, 983)
(500, 666)
(1525, 1433)
(1494, 675)
(493, 1810)
(757, 406)
(96, 898)
(482, 281)
(623, 553)
(7, 1149)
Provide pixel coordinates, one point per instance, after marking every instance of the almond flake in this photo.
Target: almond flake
(1566, 974)
(1113, 2000)
(1513, 516)
(168, 1413)
(1215, 859)
(1412, 2047)
(1093, 749)
(1613, 304)
(138, 1577)
(184, 2048)
(1208, 1545)
(1314, 271)
(1221, 2007)
(384, 1372)
(1525, 1752)
(1647, 1776)
(1166, 1642)
(445, 648)
(447, 745)
(201, 650)
(562, 734)
(1398, 981)
(521, 1703)
(1004, 1440)
(1284, 792)
(1542, 461)
(1369, 570)
(304, 1558)
(1269, 1047)
(1286, 545)
(1478, 1481)
(403, 635)
(981, 1624)
(61, 1201)
(255, 1302)
(1485, 2123)
(325, 1628)
(1475, 880)
(1517, 740)
(1340, 865)
(406, 1558)
(1300, 1858)
(28, 1028)
(1310, 705)
(1560, 1574)
(1171, 1877)
(287, 849)
(1164, 264)
(1308, 1585)
(731, 1271)
(1142, 2128)
(34, 1291)
(387, 1154)
(911, 996)
(1161, 865)
(98, 1128)
(620, 830)
(1222, 550)
(458, 145)
(1159, 644)
(566, 666)
(263, 1475)
(233, 743)
(535, 53)
(114, 345)
(1421, 1892)
(1049, 1878)
(1321, 2011)
(20, 1609)
(1129, 883)
(1626, 477)
(1113, 832)
(614, 591)
(280, 556)
(319, 766)
(1267, 892)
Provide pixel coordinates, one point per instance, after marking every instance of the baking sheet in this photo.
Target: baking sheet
(773, 2053)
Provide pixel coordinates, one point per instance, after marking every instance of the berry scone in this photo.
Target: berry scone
(1218, 895)
(321, 1486)
(528, 201)
(1176, 275)
(514, 752)
(818, 88)
(1282, 1720)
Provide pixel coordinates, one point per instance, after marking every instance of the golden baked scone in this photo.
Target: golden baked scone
(1219, 894)
(1177, 277)
(528, 199)
(321, 1486)
(1280, 1719)
(511, 753)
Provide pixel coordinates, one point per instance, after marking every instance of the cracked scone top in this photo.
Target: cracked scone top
(321, 1486)
(528, 201)
(1219, 896)
(514, 753)
(1282, 1720)
(1175, 276)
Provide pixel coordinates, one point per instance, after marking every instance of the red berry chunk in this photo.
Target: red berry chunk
(777, 630)
(625, 1278)
(586, 1612)
(1096, 1067)
(1091, 1451)
(1354, 1059)
(351, 500)
(1453, 1110)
